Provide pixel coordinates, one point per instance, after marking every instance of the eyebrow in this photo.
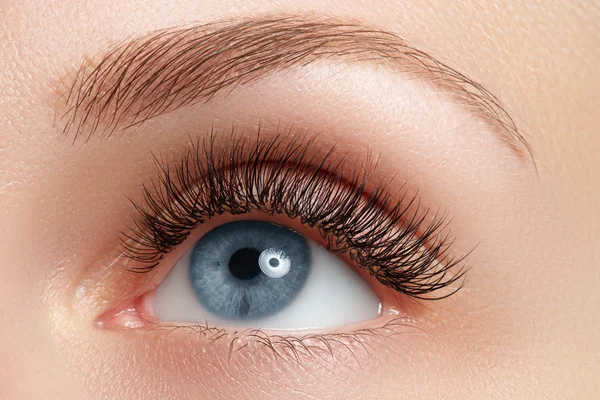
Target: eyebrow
(164, 70)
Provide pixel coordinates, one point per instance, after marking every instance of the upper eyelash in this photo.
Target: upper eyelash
(377, 232)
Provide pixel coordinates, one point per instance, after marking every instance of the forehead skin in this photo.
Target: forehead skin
(540, 59)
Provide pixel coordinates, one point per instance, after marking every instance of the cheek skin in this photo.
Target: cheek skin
(195, 363)
(177, 363)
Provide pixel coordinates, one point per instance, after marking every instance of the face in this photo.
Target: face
(299, 200)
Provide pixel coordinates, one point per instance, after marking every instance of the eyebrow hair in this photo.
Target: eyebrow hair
(164, 70)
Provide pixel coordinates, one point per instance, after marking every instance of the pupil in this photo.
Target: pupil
(273, 262)
(243, 264)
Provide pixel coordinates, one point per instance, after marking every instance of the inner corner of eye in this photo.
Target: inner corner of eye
(259, 274)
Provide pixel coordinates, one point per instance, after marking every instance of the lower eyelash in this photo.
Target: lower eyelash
(385, 236)
(323, 346)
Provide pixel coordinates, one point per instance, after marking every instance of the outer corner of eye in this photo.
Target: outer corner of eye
(260, 274)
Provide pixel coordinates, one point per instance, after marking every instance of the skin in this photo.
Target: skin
(525, 324)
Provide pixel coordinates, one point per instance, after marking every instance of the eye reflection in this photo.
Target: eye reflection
(264, 275)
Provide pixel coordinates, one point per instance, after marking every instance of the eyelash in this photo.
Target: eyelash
(295, 348)
(387, 237)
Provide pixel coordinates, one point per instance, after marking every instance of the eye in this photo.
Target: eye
(264, 275)
(258, 274)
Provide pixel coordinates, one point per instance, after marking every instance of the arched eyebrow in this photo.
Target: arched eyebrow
(164, 70)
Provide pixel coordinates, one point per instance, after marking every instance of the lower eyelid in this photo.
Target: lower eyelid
(353, 343)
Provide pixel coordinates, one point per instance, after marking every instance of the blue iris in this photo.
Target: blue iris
(226, 274)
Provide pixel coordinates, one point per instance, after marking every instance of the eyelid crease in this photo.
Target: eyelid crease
(382, 233)
(176, 67)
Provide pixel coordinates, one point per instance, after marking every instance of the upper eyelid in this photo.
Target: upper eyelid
(175, 67)
(403, 258)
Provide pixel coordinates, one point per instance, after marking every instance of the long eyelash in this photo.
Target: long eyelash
(275, 176)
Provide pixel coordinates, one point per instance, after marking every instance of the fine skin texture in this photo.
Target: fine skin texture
(523, 326)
